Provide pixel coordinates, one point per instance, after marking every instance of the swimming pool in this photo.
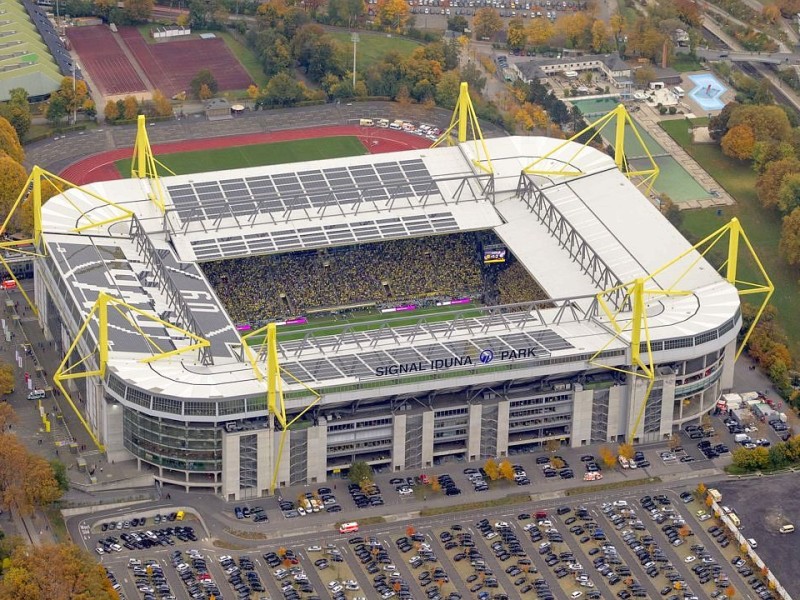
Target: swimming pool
(707, 91)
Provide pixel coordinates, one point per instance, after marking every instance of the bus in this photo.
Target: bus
(348, 527)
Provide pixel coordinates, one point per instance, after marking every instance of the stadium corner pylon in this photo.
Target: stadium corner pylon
(144, 164)
(465, 118)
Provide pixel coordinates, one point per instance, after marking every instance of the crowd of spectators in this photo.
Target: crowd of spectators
(260, 288)
(514, 284)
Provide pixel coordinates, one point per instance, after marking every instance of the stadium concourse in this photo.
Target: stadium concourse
(408, 388)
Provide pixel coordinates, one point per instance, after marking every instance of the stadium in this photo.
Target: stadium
(424, 306)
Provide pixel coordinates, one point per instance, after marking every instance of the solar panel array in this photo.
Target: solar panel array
(364, 364)
(313, 190)
(299, 238)
(51, 39)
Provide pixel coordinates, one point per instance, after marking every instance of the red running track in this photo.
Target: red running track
(101, 167)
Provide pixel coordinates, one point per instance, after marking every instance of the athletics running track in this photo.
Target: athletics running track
(101, 167)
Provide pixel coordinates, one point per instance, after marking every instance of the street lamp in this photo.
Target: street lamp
(74, 93)
(354, 38)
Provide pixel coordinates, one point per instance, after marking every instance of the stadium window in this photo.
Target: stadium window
(256, 404)
(167, 405)
(208, 409)
(138, 397)
(230, 407)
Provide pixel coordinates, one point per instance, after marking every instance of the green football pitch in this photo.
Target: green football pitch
(257, 155)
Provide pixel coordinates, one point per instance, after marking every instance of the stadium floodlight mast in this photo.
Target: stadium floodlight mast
(355, 39)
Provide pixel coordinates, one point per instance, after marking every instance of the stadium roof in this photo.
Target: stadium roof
(31, 54)
(575, 236)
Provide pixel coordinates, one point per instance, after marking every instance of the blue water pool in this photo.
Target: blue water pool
(707, 91)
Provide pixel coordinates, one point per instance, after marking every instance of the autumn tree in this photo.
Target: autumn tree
(161, 104)
(205, 92)
(506, 470)
(768, 185)
(203, 77)
(9, 142)
(137, 11)
(557, 462)
(55, 572)
(7, 414)
(392, 15)
(487, 23)
(516, 36)
(607, 456)
(26, 479)
(790, 238)
(539, 32)
(530, 116)
(6, 373)
(768, 123)
(131, 108)
(626, 450)
(346, 12)
(599, 36)
(552, 445)
(12, 180)
(730, 592)
(492, 469)
(282, 90)
(435, 485)
(739, 142)
(74, 98)
(252, 91)
(575, 28)
(111, 111)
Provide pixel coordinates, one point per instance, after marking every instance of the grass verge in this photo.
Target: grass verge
(617, 485)
(684, 63)
(363, 521)
(227, 545)
(763, 227)
(56, 520)
(183, 163)
(509, 500)
(246, 535)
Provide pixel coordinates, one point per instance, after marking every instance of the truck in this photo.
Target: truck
(715, 495)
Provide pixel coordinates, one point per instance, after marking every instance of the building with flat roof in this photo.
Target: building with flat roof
(490, 381)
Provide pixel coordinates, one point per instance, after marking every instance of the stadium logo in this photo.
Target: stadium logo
(442, 364)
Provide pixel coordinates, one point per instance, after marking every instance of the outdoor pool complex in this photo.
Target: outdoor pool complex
(707, 91)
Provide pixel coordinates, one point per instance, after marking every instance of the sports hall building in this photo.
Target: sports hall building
(490, 382)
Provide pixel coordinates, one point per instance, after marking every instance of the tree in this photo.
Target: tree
(739, 142)
(557, 462)
(205, 92)
(539, 32)
(768, 185)
(492, 469)
(252, 91)
(768, 123)
(9, 141)
(575, 28)
(789, 193)
(26, 479)
(671, 211)
(56, 109)
(76, 98)
(282, 90)
(12, 180)
(487, 23)
(60, 474)
(206, 14)
(607, 456)
(730, 592)
(89, 108)
(457, 23)
(530, 116)
(130, 108)
(435, 485)
(17, 111)
(599, 36)
(111, 111)
(137, 11)
(56, 572)
(447, 89)
(626, 450)
(7, 416)
(392, 15)
(506, 470)
(203, 77)
(345, 12)
(790, 237)
(360, 471)
(6, 370)
(516, 36)
(472, 74)
(161, 104)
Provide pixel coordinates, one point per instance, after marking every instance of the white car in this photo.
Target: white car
(501, 525)
(314, 549)
(705, 518)
(752, 542)
(619, 503)
(576, 594)
(689, 559)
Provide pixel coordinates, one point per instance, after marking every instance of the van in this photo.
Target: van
(366, 122)
(37, 395)
(180, 515)
(787, 528)
(741, 438)
(383, 123)
(735, 520)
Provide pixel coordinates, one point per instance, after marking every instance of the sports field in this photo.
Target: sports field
(367, 321)
(372, 48)
(183, 163)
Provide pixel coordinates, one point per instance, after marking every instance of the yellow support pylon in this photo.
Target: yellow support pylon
(100, 312)
(275, 402)
(621, 119)
(144, 164)
(466, 119)
(636, 293)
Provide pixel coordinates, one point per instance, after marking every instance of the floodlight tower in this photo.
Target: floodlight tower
(355, 39)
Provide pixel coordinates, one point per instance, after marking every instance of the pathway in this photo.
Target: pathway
(134, 63)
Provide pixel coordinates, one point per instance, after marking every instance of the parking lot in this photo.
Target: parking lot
(616, 545)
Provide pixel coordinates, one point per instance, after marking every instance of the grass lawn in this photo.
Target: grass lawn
(684, 63)
(763, 227)
(372, 47)
(256, 155)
